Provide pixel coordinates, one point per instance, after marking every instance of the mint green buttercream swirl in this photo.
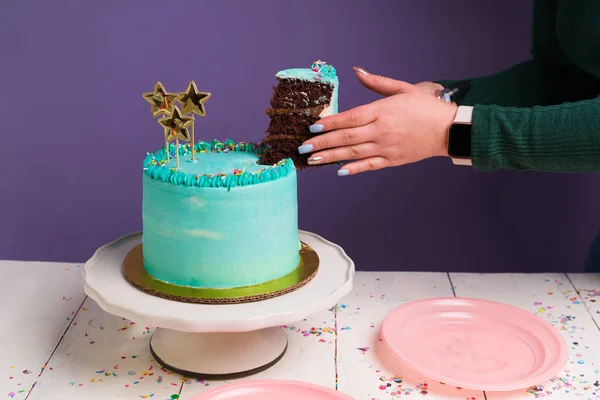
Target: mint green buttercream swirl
(154, 166)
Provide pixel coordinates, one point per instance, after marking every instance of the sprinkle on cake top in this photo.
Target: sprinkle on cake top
(319, 71)
(157, 166)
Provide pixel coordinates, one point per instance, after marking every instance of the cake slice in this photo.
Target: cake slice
(302, 97)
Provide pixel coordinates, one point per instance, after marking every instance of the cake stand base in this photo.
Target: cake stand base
(213, 341)
(218, 356)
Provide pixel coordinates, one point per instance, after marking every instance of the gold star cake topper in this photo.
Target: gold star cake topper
(161, 100)
(176, 127)
(175, 121)
(192, 101)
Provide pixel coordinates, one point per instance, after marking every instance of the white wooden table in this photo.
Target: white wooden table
(57, 344)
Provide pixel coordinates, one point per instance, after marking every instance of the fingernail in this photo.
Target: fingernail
(316, 128)
(305, 148)
(343, 172)
(361, 70)
(315, 160)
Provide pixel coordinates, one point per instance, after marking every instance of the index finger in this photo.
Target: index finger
(353, 118)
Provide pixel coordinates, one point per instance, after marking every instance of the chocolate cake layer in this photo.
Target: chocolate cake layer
(285, 146)
(293, 121)
(296, 93)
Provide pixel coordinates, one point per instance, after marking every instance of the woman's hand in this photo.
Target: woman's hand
(429, 87)
(407, 126)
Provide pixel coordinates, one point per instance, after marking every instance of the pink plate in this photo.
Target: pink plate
(271, 390)
(474, 344)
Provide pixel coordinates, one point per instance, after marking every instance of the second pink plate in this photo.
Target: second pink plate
(474, 344)
(271, 390)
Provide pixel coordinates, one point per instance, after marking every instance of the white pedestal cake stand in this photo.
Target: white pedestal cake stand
(217, 341)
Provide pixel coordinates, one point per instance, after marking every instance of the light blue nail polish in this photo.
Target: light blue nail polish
(316, 128)
(343, 172)
(305, 148)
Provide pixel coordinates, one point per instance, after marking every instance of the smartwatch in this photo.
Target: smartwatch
(459, 136)
(454, 93)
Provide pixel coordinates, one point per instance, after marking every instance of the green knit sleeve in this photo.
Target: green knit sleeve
(540, 114)
(562, 137)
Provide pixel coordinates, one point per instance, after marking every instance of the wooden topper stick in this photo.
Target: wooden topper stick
(193, 140)
(167, 152)
(177, 153)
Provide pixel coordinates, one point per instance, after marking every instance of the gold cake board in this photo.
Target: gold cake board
(136, 274)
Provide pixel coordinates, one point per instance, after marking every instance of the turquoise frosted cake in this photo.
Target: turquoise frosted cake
(302, 97)
(223, 221)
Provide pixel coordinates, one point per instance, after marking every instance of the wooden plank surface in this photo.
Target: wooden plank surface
(362, 374)
(104, 356)
(553, 298)
(39, 301)
(588, 287)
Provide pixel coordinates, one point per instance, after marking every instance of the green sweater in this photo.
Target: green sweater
(544, 114)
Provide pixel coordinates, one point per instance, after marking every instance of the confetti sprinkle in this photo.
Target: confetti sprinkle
(564, 309)
(313, 331)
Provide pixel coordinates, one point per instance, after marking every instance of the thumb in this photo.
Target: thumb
(381, 84)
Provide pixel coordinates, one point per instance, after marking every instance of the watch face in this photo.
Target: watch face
(459, 141)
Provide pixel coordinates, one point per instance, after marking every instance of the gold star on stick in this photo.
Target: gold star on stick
(176, 128)
(161, 102)
(192, 101)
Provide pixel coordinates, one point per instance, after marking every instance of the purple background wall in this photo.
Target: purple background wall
(75, 127)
